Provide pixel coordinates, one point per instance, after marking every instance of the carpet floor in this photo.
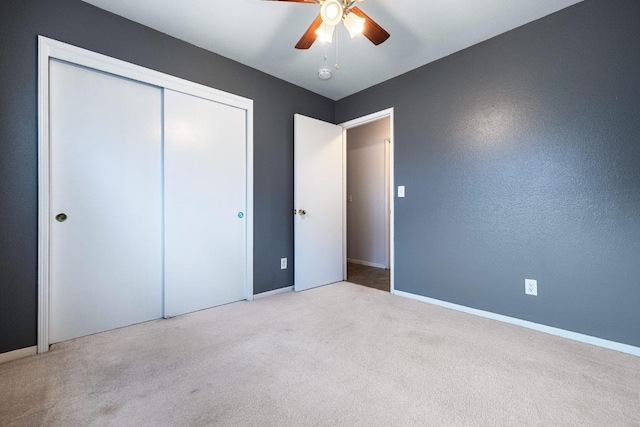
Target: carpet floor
(339, 355)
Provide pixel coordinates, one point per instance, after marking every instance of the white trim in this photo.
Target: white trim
(387, 204)
(389, 112)
(48, 49)
(367, 263)
(611, 345)
(344, 204)
(44, 53)
(18, 354)
(249, 206)
(273, 292)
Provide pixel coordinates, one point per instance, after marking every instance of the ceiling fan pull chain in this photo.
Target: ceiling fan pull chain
(337, 43)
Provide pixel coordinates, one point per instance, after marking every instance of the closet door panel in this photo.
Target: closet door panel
(205, 201)
(106, 177)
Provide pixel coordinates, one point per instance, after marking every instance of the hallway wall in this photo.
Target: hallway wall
(366, 226)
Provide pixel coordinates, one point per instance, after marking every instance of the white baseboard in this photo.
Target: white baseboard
(367, 263)
(611, 345)
(273, 292)
(18, 354)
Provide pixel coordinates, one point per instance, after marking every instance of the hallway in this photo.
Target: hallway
(377, 278)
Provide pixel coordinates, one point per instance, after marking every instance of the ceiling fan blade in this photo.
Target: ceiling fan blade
(371, 30)
(309, 36)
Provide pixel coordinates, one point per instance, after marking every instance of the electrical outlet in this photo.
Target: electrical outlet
(400, 190)
(283, 263)
(531, 287)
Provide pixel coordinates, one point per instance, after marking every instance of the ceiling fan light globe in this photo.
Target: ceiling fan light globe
(354, 24)
(331, 12)
(325, 33)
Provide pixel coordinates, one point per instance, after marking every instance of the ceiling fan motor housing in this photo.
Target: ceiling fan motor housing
(331, 12)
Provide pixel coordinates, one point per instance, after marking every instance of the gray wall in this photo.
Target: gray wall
(521, 159)
(80, 24)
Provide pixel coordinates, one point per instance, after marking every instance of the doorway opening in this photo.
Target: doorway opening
(368, 190)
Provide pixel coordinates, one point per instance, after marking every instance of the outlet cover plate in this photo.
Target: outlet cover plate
(531, 287)
(283, 263)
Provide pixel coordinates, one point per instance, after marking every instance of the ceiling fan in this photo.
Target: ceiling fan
(334, 11)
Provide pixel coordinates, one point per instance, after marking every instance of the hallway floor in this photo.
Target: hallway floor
(372, 277)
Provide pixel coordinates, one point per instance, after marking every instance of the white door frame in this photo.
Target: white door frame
(48, 49)
(355, 123)
(387, 202)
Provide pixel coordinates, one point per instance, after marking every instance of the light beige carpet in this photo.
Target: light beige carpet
(341, 355)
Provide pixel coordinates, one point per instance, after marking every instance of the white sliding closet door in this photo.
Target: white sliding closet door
(205, 203)
(106, 178)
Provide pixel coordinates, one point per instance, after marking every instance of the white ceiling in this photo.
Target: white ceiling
(262, 34)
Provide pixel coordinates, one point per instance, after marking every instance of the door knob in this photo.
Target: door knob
(61, 217)
(302, 212)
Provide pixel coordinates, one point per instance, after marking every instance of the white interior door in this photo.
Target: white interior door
(205, 203)
(318, 201)
(105, 174)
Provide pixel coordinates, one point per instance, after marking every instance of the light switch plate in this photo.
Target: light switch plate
(400, 190)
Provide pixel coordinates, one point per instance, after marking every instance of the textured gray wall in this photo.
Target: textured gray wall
(521, 159)
(80, 24)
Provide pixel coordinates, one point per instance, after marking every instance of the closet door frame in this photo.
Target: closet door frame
(52, 49)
